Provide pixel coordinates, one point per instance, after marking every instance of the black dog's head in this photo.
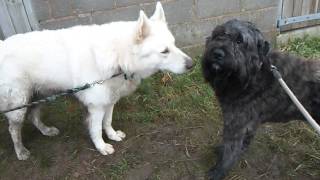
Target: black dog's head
(235, 52)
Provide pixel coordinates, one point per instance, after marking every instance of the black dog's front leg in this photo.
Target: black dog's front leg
(227, 156)
(235, 142)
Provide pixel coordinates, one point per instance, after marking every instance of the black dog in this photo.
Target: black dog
(236, 63)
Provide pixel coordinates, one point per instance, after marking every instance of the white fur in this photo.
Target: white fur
(52, 60)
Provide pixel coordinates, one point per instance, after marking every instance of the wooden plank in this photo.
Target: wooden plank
(1, 35)
(287, 8)
(314, 6)
(18, 16)
(297, 7)
(34, 23)
(5, 20)
(306, 7)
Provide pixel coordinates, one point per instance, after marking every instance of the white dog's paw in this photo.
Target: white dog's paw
(117, 135)
(24, 154)
(50, 131)
(106, 149)
(121, 134)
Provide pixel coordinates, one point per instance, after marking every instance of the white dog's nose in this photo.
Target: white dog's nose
(189, 63)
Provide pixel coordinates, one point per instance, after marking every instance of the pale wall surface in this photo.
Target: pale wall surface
(190, 20)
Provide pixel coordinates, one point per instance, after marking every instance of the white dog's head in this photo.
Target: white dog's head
(155, 47)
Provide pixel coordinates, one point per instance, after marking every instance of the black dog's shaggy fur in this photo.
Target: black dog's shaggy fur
(236, 63)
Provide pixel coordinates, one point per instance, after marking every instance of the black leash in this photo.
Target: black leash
(305, 113)
(64, 93)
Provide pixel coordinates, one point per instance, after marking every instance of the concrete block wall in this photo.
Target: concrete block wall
(191, 21)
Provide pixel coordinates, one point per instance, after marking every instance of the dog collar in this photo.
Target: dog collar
(126, 76)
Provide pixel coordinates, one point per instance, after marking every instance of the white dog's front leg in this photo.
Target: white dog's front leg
(95, 117)
(107, 121)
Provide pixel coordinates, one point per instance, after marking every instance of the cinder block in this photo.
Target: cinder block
(41, 9)
(258, 4)
(193, 33)
(121, 3)
(130, 13)
(245, 16)
(82, 6)
(65, 23)
(213, 8)
(182, 15)
(179, 11)
(265, 19)
(61, 8)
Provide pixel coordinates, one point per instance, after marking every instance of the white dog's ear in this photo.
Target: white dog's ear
(158, 14)
(143, 28)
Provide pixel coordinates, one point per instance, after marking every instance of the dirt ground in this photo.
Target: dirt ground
(163, 149)
(172, 125)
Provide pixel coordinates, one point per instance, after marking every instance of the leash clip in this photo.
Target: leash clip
(100, 82)
(275, 72)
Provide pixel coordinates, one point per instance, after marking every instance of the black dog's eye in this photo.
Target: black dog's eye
(239, 39)
(166, 51)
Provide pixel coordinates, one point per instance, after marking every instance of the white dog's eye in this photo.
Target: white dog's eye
(165, 51)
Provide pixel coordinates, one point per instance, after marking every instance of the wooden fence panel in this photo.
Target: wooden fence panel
(297, 7)
(31, 15)
(306, 7)
(314, 6)
(287, 8)
(299, 14)
(6, 24)
(18, 16)
(1, 35)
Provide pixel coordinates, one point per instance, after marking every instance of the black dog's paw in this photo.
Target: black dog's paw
(218, 150)
(216, 174)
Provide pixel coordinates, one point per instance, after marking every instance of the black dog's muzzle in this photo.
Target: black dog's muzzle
(218, 56)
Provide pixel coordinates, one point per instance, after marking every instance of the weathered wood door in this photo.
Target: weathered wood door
(298, 13)
(16, 16)
(295, 14)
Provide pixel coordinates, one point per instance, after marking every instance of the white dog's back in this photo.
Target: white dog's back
(66, 57)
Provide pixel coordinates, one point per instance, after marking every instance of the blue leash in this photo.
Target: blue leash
(64, 93)
(304, 112)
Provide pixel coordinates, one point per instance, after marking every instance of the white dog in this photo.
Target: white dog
(48, 61)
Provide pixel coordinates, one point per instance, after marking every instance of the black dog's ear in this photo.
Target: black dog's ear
(266, 48)
(263, 47)
(208, 39)
(263, 50)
